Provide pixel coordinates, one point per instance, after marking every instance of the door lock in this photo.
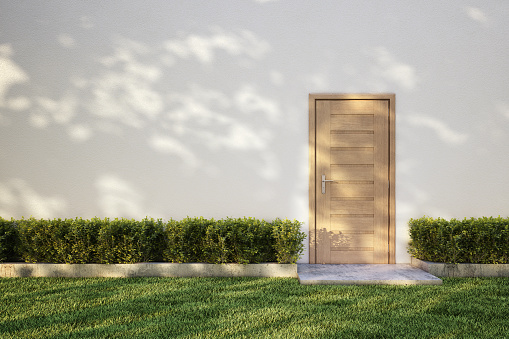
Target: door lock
(323, 183)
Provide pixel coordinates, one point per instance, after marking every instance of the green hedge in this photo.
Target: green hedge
(8, 241)
(243, 240)
(475, 240)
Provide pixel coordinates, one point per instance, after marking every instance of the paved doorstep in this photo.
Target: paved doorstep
(357, 274)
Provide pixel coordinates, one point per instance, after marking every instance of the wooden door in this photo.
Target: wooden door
(352, 184)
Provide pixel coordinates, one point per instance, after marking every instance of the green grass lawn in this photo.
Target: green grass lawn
(250, 308)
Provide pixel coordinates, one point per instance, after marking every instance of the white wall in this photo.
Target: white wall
(176, 108)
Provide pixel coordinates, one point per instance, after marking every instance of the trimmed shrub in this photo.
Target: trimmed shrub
(82, 238)
(475, 240)
(127, 241)
(242, 240)
(186, 240)
(43, 240)
(8, 240)
(287, 240)
(90, 241)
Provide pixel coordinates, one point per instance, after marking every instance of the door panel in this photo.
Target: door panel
(351, 207)
(352, 156)
(351, 190)
(348, 223)
(344, 240)
(351, 140)
(352, 122)
(353, 148)
(356, 106)
(352, 257)
(353, 172)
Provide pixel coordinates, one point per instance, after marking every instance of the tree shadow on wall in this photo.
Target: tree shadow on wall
(126, 113)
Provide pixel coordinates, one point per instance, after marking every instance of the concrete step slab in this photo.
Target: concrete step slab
(364, 274)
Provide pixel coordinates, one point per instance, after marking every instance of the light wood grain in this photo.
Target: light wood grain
(351, 223)
(381, 206)
(352, 122)
(352, 257)
(392, 178)
(352, 142)
(312, 178)
(352, 172)
(352, 106)
(323, 162)
(351, 190)
(359, 156)
(352, 207)
(346, 241)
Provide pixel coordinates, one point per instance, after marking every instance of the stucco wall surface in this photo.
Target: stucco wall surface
(199, 108)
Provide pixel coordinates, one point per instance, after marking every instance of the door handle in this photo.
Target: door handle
(323, 183)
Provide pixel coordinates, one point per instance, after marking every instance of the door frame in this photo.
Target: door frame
(392, 166)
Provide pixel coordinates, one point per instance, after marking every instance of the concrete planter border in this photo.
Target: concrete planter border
(147, 270)
(462, 270)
